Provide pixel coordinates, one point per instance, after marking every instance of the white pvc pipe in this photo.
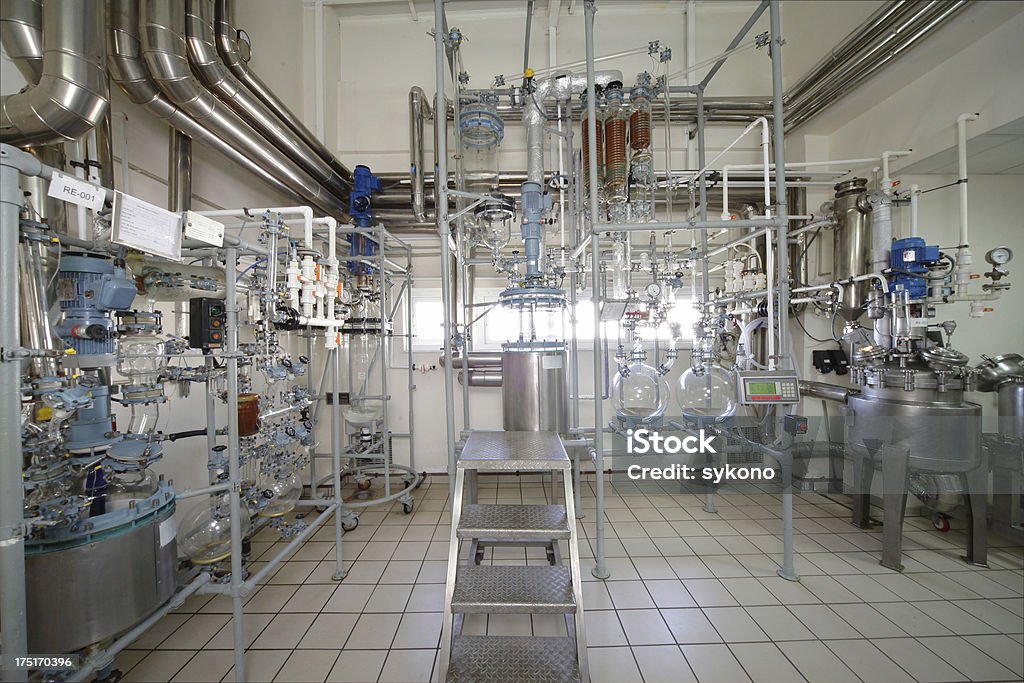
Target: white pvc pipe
(963, 255)
(915, 195)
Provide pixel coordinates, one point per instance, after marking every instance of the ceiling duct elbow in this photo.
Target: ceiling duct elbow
(227, 46)
(211, 70)
(21, 33)
(162, 25)
(72, 95)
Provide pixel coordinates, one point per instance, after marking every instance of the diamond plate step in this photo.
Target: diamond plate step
(527, 451)
(512, 659)
(514, 522)
(531, 590)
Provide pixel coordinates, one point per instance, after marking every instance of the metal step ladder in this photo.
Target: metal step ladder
(539, 589)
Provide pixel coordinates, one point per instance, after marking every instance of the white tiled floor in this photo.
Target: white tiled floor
(693, 596)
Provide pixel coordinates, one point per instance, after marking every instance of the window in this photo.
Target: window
(500, 324)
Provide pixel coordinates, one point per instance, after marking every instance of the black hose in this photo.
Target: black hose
(185, 435)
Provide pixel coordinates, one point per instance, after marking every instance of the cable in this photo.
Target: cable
(801, 324)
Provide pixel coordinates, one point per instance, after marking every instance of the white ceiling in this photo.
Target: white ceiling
(997, 152)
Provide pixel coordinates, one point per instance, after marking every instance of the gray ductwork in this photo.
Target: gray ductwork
(886, 35)
(214, 73)
(419, 111)
(165, 53)
(72, 95)
(21, 32)
(227, 45)
(129, 72)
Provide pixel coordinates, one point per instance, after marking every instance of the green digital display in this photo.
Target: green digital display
(761, 388)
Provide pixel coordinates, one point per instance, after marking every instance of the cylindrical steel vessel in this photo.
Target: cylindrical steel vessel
(940, 430)
(1011, 410)
(84, 593)
(851, 244)
(535, 395)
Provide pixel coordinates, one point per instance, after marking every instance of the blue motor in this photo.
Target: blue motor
(364, 184)
(910, 260)
(88, 289)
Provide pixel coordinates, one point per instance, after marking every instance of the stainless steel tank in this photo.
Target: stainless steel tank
(534, 390)
(939, 429)
(88, 591)
(851, 244)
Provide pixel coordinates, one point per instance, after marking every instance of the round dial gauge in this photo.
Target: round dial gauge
(653, 290)
(999, 256)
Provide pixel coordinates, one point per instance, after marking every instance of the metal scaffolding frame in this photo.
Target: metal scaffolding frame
(776, 226)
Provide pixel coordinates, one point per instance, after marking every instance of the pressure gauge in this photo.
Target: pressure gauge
(653, 290)
(999, 256)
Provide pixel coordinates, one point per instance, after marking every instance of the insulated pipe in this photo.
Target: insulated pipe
(165, 53)
(475, 360)
(829, 392)
(227, 45)
(561, 87)
(419, 110)
(72, 95)
(207, 64)
(127, 69)
(12, 542)
(21, 32)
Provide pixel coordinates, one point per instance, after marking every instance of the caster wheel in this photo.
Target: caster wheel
(408, 483)
(350, 526)
(407, 508)
(941, 523)
(363, 485)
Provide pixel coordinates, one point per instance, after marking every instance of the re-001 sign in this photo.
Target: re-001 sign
(75, 191)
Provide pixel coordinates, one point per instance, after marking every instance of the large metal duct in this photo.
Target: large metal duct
(207, 64)
(21, 32)
(129, 72)
(166, 55)
(72, 95)
(883, 37)
(227, 45)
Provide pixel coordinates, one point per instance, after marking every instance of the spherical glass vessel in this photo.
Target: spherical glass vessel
(707, 392)
(285, 489)
(205, 533)
(639, 394)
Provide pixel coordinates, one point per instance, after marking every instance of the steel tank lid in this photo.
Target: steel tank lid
(852, 186)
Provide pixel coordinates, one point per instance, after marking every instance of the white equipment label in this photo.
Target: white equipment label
(550, 362)
(146, 227)
(75, 191)
(204, 229)
(168, 530)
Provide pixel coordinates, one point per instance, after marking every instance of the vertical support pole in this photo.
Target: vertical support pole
(13, 612)
(408, 356)
(234, 467)
(702, 152)
(384, 361)
(788, 571)
(312, 392)
(444, 229)
(335, 360)
(600, 569)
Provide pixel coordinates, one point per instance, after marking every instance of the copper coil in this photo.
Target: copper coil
(615, 152)
(586, 151)
(640, 130)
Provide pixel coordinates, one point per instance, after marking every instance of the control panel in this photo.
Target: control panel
(768, 386)
(206, 321)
